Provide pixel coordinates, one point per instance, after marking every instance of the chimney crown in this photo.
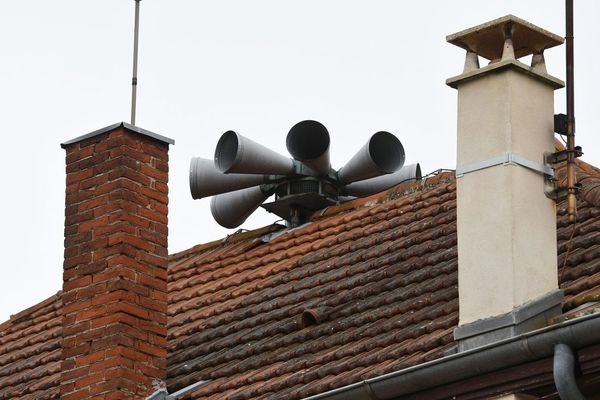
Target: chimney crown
(487, 39)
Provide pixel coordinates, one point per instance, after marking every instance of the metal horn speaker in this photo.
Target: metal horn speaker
(206, 180)
(382, 154)
(231, 209)
(308, 142)
(236, 153)
(408, 173)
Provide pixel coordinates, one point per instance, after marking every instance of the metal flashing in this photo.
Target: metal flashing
(500, 66)
(530, 316)
(112, 127)
(508, 158)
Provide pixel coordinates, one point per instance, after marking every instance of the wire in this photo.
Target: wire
(569, 246)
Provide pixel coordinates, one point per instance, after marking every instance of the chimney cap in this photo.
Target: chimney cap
(125, 125)
(487, 39)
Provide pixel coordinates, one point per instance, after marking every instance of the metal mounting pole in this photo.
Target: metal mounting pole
(135, 60)
(571, 179)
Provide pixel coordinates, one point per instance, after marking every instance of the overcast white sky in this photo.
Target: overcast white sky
(256, 67)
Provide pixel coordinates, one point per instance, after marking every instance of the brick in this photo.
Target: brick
(159, 207)
(161, 187)
(77, 177)
(153, 350)
(92, 203)
(88, 380)
(77, 238)
(92, 358)
(76, 328)
(115, 227)
(92, 141)
(78, 217)
(112, 362)
(129, 285)
(74, 154)
(76, 306)
(152, 259)
(114, 318)
(155, 150)
(114, 185)
(75, 351)
(89, 225)
(154, 237)
(130, 195)
(133, 219)
(78, 395)
(124, 172)
(132, 240)
(85, 269)
(158, 175)
(161, 165)
(153, 215)
(153, 194)
(77, 283)
(116, 272)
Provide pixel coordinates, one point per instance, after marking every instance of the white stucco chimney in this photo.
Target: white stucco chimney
(507, 252)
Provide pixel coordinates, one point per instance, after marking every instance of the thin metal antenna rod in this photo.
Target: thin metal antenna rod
(571, 178)
(135, 60)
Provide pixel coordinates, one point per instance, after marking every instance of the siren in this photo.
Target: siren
(367, 187)
(236, 153)
(308, 142)
(231, 209)
(206, 180)
(244, 174)
(382, 154)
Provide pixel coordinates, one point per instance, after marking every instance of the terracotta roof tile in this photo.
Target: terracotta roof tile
(30, 352)
(374, 279)
(380, 275)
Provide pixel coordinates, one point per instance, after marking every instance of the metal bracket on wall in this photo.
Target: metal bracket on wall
(505, 159)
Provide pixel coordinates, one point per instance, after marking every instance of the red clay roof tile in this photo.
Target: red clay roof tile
(379, 274)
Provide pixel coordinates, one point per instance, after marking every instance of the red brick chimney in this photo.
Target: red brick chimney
(115, 267)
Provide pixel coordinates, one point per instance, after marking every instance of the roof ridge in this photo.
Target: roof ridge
(433, 179)
(237, 236)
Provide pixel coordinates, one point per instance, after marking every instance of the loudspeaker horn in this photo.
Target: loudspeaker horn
(408, 173)
(231, 209)
(382, 154)
(206, 180)
(236, 153)
(308, 142)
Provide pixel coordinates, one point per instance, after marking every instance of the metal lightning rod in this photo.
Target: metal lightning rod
(135, 60)
(571, 178)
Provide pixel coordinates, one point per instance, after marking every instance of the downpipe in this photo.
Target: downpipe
(564, 373)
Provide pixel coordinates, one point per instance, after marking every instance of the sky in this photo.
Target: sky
(256, 67)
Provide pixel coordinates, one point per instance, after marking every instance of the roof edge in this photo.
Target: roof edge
(453, 368)
(237, 236)
(16, 318)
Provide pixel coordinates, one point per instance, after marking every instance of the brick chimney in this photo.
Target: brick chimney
(115, 266)
(506, 223)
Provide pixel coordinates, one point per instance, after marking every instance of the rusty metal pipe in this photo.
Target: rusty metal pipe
(571, 179)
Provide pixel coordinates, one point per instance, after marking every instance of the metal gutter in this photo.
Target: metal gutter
(517, 350)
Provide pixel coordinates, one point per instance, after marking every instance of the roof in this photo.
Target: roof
(366, 288)
(30, 352)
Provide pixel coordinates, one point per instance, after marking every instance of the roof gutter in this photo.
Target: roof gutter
(517, 350)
